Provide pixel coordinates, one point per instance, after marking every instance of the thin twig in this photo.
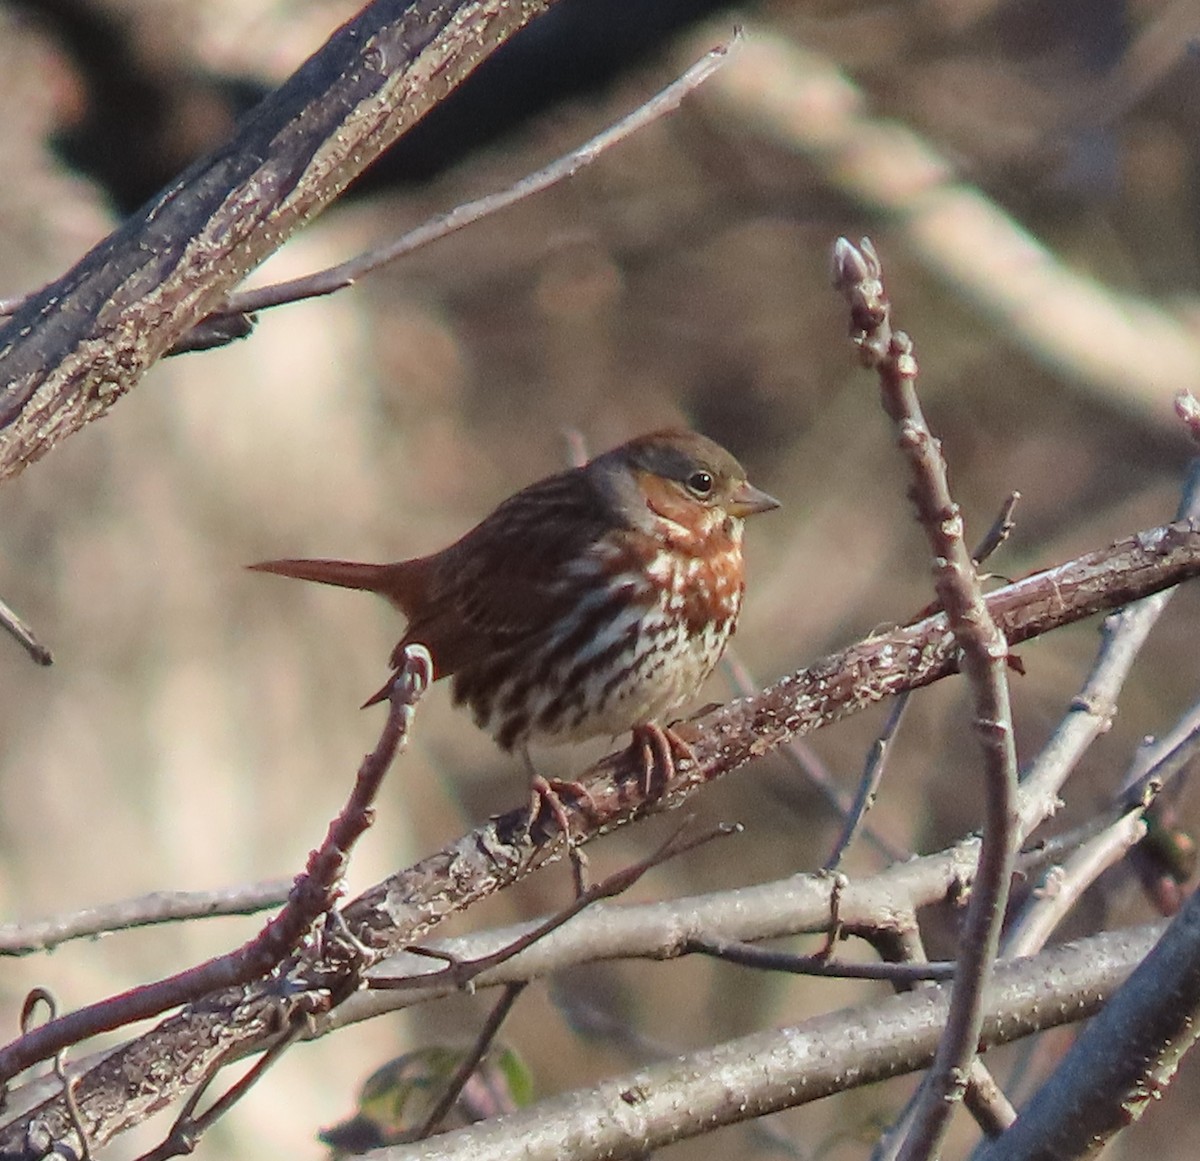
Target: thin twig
(1000, 530)
(24, 636)
(25, 938)
(462, 972)
(868, 784)
(241, 305)
(984, 657)
(472, 1059)
(767, 959)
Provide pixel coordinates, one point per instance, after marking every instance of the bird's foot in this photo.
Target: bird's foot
(546, 794)
(657, 749)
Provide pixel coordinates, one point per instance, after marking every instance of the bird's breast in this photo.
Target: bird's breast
(644, 627)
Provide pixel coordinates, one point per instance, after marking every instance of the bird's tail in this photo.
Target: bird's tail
(403, 582)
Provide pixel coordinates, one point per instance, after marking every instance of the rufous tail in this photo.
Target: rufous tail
(402, 583)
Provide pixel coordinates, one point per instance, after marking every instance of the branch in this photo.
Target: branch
(24, 938)
(76, 346)
(1122, 1061)
(858, 275)
(314, 895)
(232, 320)
(769, 1071)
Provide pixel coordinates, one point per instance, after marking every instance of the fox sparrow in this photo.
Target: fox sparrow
(592, 602)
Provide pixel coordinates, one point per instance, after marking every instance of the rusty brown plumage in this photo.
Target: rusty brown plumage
(591, 602)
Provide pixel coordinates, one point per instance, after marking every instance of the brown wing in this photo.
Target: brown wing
(503, 582)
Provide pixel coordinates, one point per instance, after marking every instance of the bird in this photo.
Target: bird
(592, 602)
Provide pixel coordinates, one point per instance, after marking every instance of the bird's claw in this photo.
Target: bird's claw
(657, 750)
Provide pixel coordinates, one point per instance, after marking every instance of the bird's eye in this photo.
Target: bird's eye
(700, 484)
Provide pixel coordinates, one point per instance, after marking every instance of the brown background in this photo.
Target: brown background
(200, 725)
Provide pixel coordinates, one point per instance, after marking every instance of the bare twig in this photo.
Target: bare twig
(313, 895)
(24, 636)
(857, 274)
(1000, 530)
(868, 784)
(471, 1059)
(233, 318)
(238, 308)
(766, 959)
(24, 938)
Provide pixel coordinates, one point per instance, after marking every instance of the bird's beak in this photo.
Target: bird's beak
(748, 500)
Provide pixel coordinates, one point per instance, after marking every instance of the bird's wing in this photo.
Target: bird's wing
(509, 578)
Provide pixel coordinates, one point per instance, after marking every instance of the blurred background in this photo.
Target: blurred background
(1028, 173)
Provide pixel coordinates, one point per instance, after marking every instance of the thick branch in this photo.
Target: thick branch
(1122, 1062)
(658, 1105)
(71, 350)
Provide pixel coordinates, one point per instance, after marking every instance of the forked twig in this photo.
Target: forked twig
(868, 784)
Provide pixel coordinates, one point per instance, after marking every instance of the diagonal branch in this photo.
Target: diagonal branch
(75, 347)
